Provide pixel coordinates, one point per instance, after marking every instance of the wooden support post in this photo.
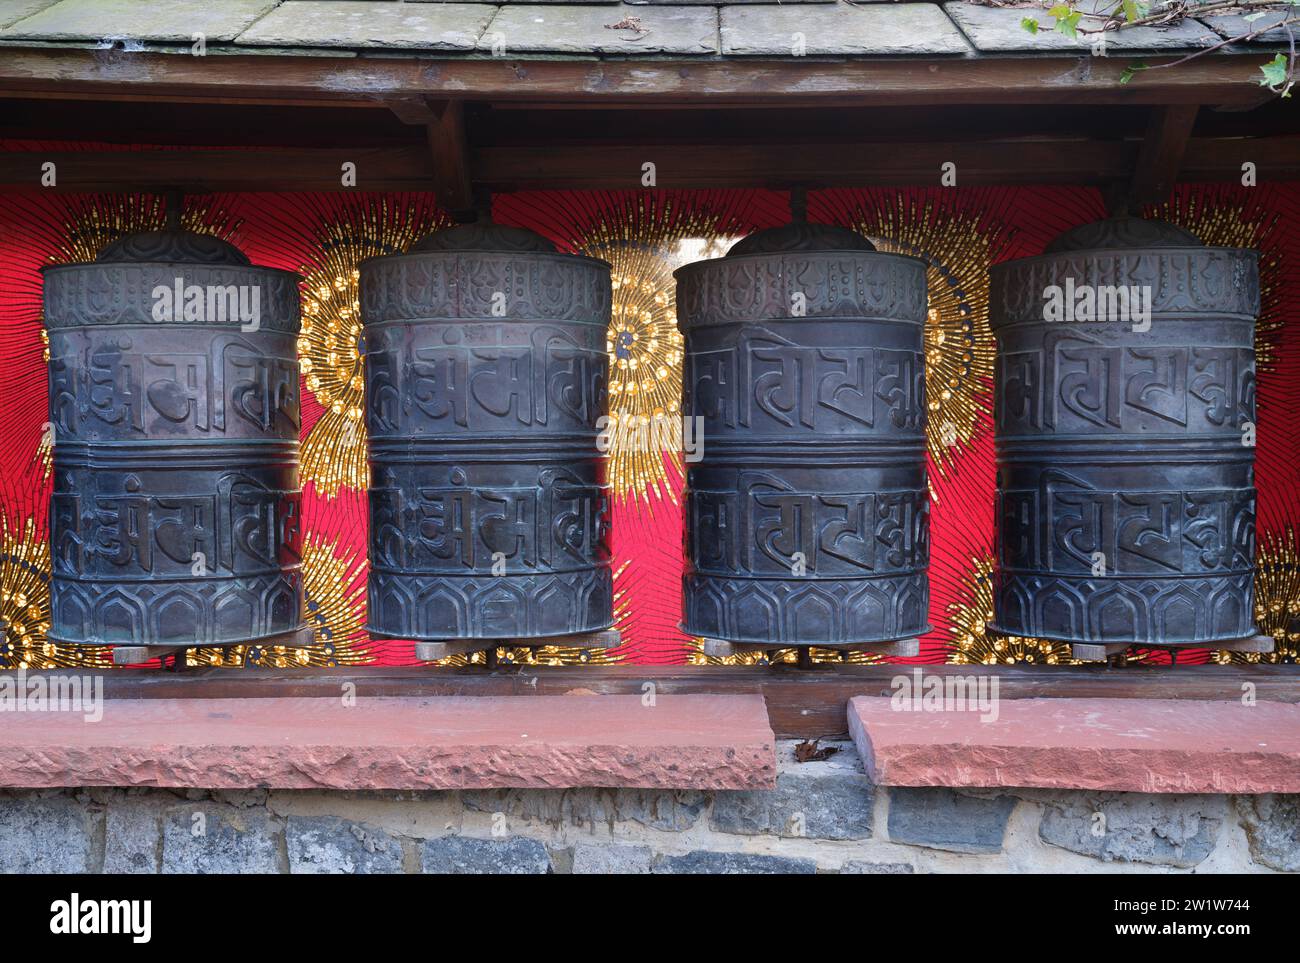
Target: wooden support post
(1159, 159)
(450, 149)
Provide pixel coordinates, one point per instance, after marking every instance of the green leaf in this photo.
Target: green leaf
(1068, 24)
(1060, 11)
(1274, 72)
(1130, 70)
(1133, 10)
(1030, 24)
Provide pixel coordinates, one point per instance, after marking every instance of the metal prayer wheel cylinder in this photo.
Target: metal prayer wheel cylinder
(807, 517)
(1124, 413)
(486, 379)
(174, 400)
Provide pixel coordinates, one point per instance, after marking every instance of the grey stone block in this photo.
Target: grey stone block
(361, 23)
(11, 11)
(327, 844)
(133, 836)
(817, 805)
(939, 818)
(44, 835)
(176, 20)
(857, 867)
(839, 30)
(214, 838)
(1238, 26)
(727, 864)
(1163, 829)
(1272, 824)
(591, 29)
(610, 859)
(667, 810)
(514, 855)
(998, 30)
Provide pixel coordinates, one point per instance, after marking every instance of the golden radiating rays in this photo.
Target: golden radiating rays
(958, 247)
(25, 605)
(645, 242)
(334, 452)
(95, 220)
(1277, 599)
(334, 595)
(975, 645)
(554, 655)
(1222, 221)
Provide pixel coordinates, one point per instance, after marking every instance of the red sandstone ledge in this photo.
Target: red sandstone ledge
(1137, 745)
(535, 742)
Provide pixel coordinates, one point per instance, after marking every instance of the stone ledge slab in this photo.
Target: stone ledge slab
(1129, 745)
(528, 742)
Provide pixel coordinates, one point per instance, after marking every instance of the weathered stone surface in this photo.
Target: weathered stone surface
(703, 862)
(586, 29)
(611, 859)
(670, 811)
(128, 19)
(325, 844)
(1131, 745)
(1272, 824)
(215, 838)
(857, 867)
(942, 819)
(998, 30)
(11, 11)
(513, 855)
(371, 23)
(50, 835)
(687, 742)
(1239, 26)
(842, 29)
(1167, 830)
(826, 799)
(133, 836)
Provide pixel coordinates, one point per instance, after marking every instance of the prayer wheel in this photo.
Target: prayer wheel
(486, 376)
(807, 516)
(1125, 418)
(174, 405)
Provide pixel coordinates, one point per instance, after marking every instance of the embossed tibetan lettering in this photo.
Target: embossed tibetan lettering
(486, 373)
(176, 512)
(1125, 469)
(807, 520)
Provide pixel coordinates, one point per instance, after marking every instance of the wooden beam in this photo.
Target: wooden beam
(453, 170)
(449, 148)
(802, 704)
(115, 74)
(1161, 155)
(378, 169)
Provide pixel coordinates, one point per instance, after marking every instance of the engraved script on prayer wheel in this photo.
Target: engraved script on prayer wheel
(1125, 406)
(808, 516)
(174, 401)
(486, 374)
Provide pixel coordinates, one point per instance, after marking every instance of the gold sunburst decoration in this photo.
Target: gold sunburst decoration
(1277, 599)
(645, 239)
(334, 592)
(973, 644)
(334, 452)
(25, 605)
(957, 246)
(1221, 220)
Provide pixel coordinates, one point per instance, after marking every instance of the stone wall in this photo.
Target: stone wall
(824, 816)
